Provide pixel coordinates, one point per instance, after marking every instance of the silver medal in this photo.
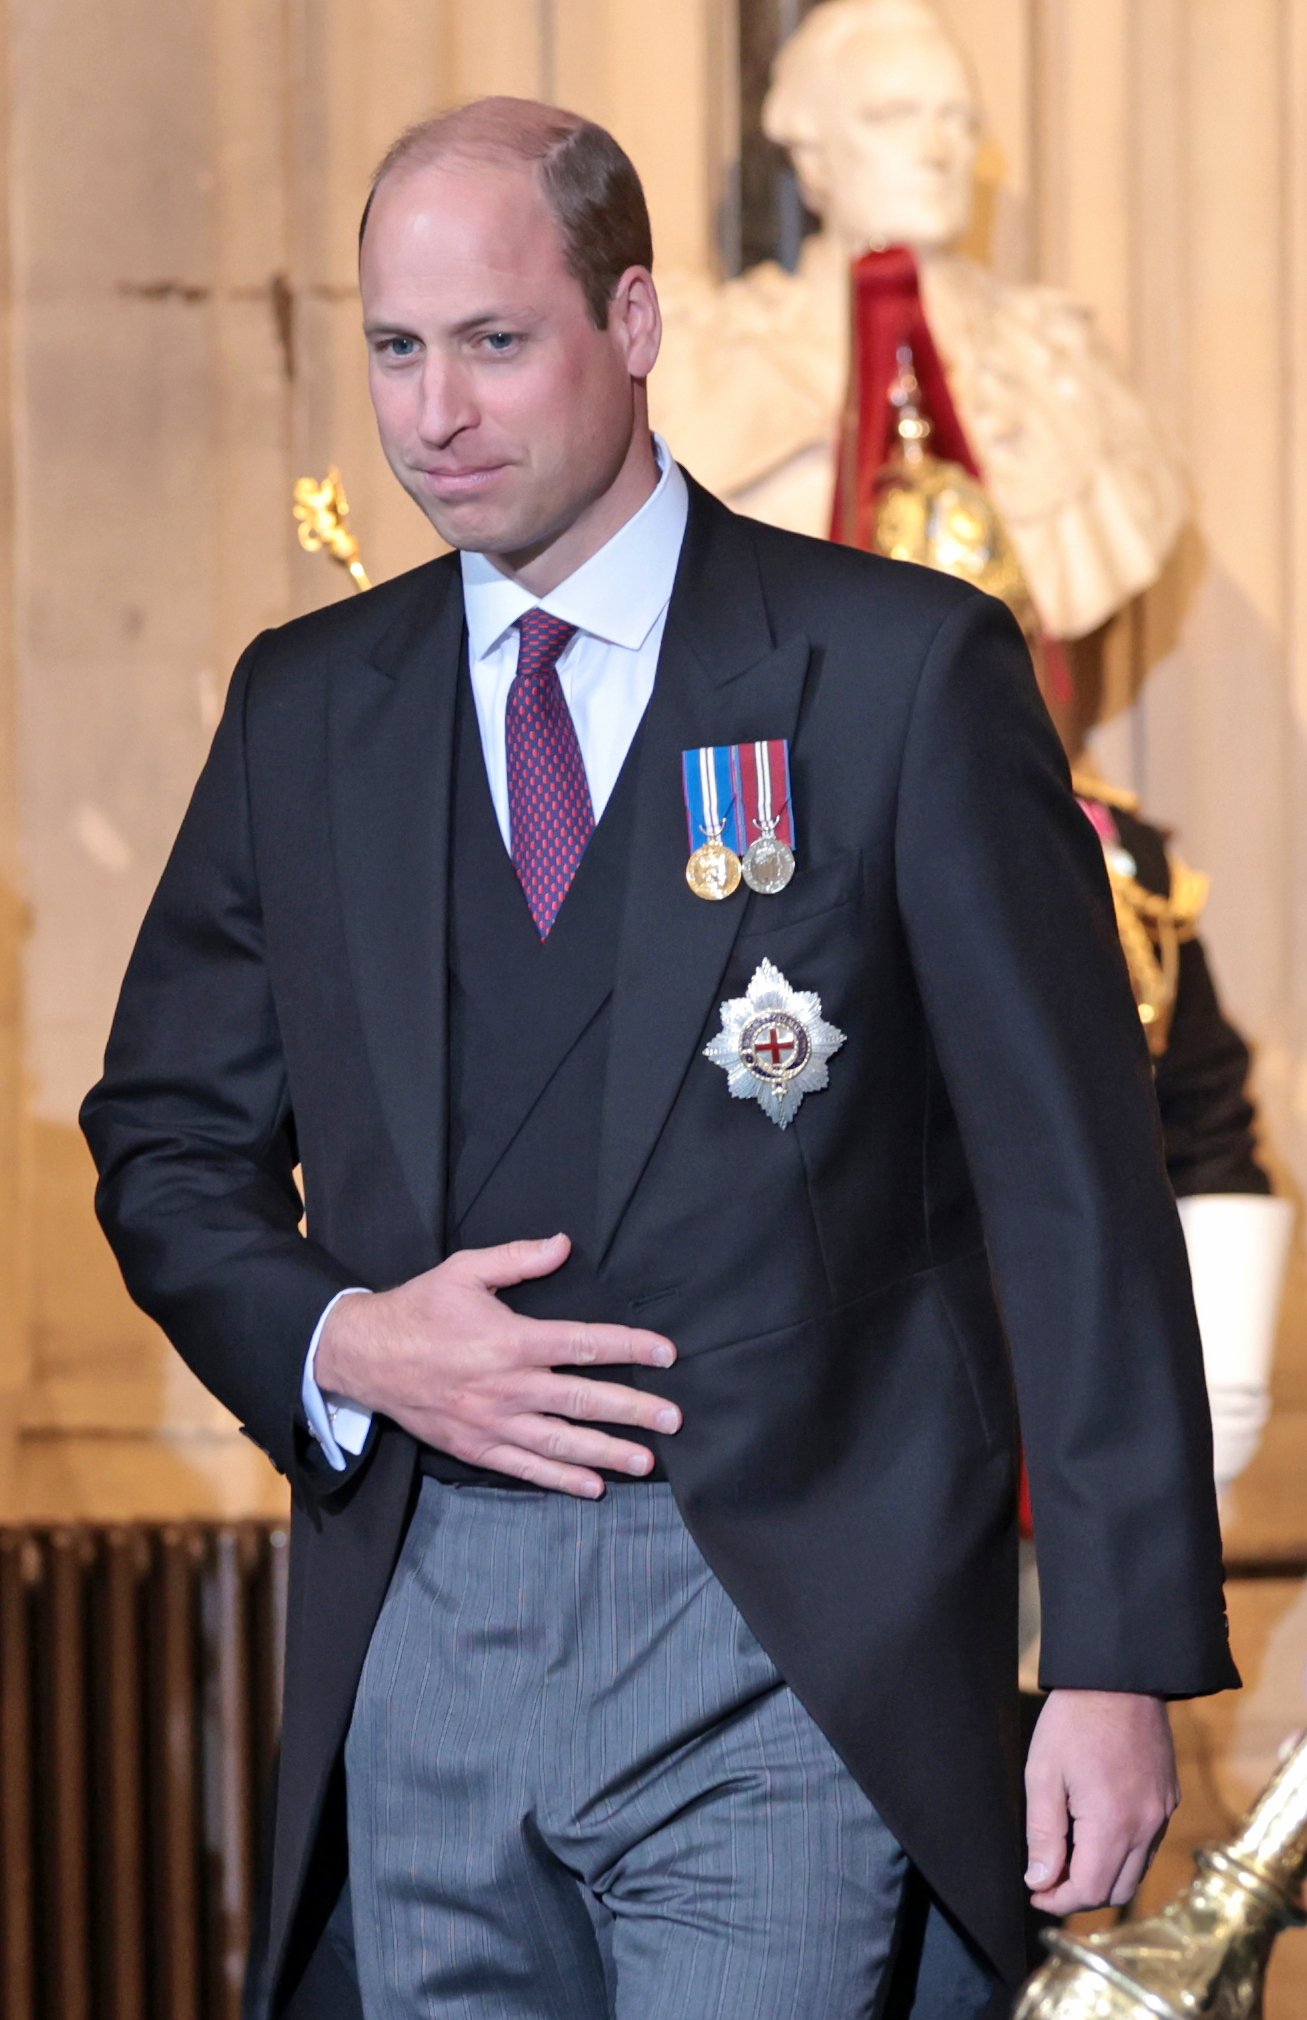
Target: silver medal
(767, 865)
(774, 1045)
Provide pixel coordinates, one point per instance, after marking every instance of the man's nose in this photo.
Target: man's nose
(447, 406)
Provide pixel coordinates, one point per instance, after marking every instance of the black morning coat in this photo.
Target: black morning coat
(973, 1215)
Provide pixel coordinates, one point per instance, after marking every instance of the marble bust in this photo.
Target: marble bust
(875, 103)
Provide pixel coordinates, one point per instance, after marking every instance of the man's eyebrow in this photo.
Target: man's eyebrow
(487, 319)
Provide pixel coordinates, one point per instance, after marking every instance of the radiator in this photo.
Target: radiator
(140, 1683)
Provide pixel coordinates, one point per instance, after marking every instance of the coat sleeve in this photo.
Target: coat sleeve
(192, 1131)
(1005, 904)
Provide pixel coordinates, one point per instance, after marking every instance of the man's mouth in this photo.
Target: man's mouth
(457, 481)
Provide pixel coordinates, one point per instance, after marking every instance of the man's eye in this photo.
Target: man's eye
(499, 342)
(399, 347)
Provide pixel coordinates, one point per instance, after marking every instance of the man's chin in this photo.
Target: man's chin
(464, 527)
(470, 531)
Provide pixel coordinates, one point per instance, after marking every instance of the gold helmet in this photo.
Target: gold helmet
(922, 509)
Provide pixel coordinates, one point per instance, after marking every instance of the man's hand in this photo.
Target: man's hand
(443, 1357)
(1102, 1773)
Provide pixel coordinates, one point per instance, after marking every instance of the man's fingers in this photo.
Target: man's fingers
(1073, 1897)
(1045, 1867)
(1108, 1862)
(1084, 1878)
(512, 1262)
(1140, 1857)
(559, 1343)
(518, 1464)
(553, 1439)
(1061, 1901)
(1129, 1877)
(586, 1402)
(1047, 1824)
(1095, 1864)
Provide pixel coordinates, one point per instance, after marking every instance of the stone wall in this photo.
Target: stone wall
(181, 340)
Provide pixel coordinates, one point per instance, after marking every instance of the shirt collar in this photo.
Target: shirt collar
(617, 595)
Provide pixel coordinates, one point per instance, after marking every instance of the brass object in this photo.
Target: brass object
(321, 509)
(926, 510)
(713, 871)
(1152, 927)
(1205, 1956)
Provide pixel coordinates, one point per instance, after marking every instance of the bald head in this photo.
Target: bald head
(588, 182)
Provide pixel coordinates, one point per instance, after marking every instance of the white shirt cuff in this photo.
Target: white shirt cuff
(339, 1425)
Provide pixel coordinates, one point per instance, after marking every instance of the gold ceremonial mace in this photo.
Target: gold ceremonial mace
(1204, 1957)
(322, 508)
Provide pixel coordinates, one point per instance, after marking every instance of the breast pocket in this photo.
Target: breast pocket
(810, 894)
(812, 936)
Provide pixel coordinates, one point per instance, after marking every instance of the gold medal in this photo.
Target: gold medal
(713, 871)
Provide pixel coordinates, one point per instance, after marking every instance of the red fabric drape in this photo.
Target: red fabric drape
(886, 312)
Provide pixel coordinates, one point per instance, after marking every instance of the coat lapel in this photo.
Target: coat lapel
(722, 679)
(390, 745)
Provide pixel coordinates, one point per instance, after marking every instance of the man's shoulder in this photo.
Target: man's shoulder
(356, 627)
(817, 584)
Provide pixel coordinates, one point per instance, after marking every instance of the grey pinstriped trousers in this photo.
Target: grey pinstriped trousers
(579, 1789)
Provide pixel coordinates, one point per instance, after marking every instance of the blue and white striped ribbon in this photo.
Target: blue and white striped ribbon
(711, 802)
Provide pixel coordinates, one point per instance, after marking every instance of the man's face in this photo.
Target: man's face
(502, 409)
(895, 161)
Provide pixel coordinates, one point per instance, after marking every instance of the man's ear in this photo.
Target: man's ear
(635, 315)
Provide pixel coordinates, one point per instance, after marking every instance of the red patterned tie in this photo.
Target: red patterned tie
(549, 811)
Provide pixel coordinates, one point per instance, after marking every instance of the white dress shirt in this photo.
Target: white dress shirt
(618, 602)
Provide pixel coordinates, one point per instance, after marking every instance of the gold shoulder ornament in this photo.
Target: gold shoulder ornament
(936, 513)
(1152, 926)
